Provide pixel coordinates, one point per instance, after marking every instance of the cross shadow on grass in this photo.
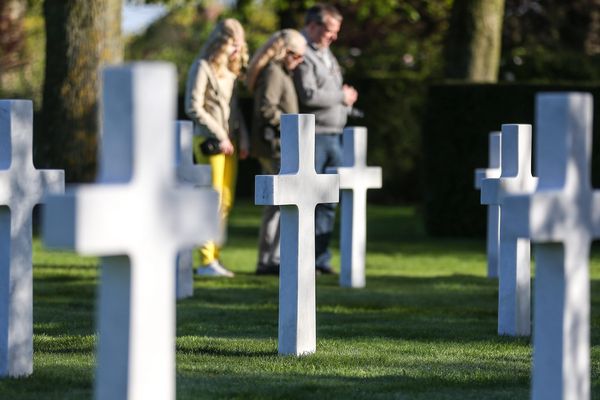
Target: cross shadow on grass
(209, 347)
(458, 308)
(445, 308)
(407, 382)
(64, 299)
(52, 379)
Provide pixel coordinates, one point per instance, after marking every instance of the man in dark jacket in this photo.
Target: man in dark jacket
(322, 92)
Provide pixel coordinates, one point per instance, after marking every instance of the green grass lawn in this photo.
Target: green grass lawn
(424, 328)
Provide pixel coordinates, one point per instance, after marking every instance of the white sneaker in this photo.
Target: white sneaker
(214, 269)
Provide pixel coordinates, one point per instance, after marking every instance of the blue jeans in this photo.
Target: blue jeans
(328, 153)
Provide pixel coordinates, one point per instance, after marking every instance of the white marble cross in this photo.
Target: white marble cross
(297, 190)
(514, 298)
(137, 217)
(561, 218)
(21, 188)
(493, 210)
(355, 178)
(198, 175)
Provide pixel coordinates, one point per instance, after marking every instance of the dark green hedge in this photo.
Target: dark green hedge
(457, 120)
(393, 114)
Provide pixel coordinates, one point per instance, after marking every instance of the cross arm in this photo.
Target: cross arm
(38, 183)
(494, 190)
(75, 220)
(550, 217)
(197, 174)
(264, 186)
(278, 190)
(292, 189)
(188, 201)
(484, 173)
(109, 220)
(479, 176)
(370, 177)
(490, 191)
(544, 216)
(53, 180)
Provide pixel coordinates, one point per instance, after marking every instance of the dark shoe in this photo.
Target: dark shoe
(270, 269)
(325, 270)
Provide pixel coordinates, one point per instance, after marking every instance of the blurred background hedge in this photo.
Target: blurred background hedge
(456, 124)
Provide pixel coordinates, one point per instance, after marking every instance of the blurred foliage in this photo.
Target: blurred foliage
(552, 40)
(542, 41)
(23, 79)
(387, 38)
(12, 34)
(381, 38)
(179, 36)
(32, 79)
(378, 38)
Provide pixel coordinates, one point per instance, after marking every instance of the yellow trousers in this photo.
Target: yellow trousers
(224, 172)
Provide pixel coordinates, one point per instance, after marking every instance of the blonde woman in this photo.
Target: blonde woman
(211, 104)
(269, 78)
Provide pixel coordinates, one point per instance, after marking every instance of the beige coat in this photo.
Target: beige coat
(274, 95)
(208, 103)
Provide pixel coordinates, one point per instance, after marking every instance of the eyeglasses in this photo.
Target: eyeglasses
(294, 55)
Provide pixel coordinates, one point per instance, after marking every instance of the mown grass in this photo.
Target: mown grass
(424, 328)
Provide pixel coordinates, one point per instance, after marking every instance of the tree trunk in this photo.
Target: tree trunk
(81, 37)
(473, 43)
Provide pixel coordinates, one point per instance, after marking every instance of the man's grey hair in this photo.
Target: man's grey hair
(318, 12)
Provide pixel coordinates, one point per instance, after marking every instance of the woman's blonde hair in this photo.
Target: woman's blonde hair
(274, 50)
(214, 50)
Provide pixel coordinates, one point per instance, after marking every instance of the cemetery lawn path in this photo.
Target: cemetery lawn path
(424, 328)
